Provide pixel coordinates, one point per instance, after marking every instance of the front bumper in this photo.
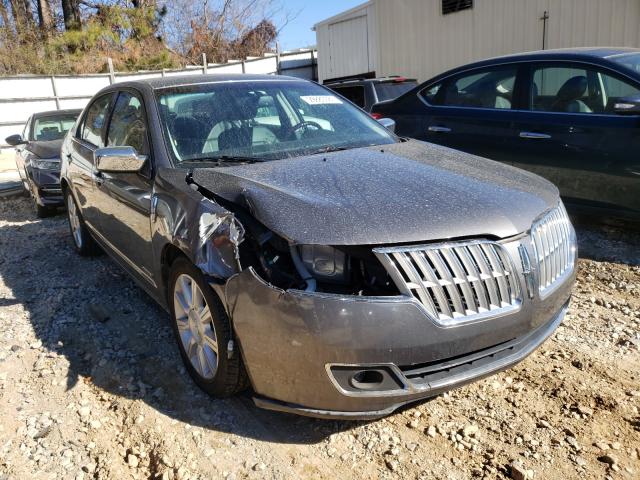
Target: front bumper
(293, 342)
(45, 187)
(466, 370)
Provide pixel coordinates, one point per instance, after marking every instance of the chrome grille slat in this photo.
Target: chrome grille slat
(417, 284)
(486, 274)
(554, 248)
(455, 282)
(494, 261)
(448, 283)
(476, 283)
(458, 270)
(440, 297)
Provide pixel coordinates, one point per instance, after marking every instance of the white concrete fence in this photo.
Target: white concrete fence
(24, 95)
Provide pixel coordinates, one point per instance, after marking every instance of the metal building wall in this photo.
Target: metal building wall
(413, 38)
(348, 43)
(416, 40)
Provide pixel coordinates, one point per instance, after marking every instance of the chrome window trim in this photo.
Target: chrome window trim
(522, 62)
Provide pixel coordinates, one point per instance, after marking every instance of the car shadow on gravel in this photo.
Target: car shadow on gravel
(115, 337)
(608, 243)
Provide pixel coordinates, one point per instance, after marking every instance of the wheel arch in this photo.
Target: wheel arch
(169, 254)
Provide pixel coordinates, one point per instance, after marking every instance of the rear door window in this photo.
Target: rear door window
(391, 90)
(92, 129)
(487, 88)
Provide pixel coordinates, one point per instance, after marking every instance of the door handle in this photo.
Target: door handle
(439, 129)
(535, 136)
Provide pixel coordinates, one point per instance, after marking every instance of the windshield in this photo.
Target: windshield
(391, 90)
(629, 60)
(52, 127)
(261, 120)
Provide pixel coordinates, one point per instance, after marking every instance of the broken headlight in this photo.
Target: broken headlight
(326, 264)
(45, 164)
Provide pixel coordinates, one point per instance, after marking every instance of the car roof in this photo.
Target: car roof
(355, 81)
(581, 52)
(180, 80)
(55, 113)
(590, 54)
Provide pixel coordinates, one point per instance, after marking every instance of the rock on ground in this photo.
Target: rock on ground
(92, 387)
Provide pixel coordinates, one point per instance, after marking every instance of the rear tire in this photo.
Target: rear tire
(203, 331)
(82, 241)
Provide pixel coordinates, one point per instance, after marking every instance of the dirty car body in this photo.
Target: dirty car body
(359, 272)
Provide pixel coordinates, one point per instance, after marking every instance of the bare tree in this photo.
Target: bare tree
(136, 34)
(71, 14)
(44, 16)
(222, 29)
(19, 13)
(4, 15)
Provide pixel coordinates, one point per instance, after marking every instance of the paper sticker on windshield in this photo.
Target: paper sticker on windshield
(321, 99)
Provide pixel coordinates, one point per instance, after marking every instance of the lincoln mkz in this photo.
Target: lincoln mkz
(304, 250)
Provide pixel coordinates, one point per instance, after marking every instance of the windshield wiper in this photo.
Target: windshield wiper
(220, 159)
(329, 149)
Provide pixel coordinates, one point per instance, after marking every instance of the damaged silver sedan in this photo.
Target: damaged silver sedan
(303, 249)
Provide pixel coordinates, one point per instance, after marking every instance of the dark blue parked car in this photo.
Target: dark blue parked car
(571, 115)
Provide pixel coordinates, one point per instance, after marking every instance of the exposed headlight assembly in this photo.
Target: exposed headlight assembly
(320, 263)
(45, 164)
(326, 264)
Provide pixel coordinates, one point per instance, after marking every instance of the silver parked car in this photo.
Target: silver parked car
(339, 270)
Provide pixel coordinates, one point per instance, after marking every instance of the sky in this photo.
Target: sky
(297, 33)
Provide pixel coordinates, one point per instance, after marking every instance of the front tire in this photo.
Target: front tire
(203, 331)
(83, 242)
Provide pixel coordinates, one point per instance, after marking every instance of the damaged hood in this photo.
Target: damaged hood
(399, 193)
(46, 149)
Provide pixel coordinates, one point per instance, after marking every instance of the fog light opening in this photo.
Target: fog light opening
(367, 379)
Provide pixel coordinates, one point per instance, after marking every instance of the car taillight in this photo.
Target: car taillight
(376, 116)
(399, 79)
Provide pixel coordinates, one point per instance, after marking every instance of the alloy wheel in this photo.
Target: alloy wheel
(195, 326)
(74, 221)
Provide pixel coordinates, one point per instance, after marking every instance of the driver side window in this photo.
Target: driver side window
(94, 121)
(576, 89)
(127, 127)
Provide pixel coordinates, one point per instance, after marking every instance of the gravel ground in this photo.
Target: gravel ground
(92, 386)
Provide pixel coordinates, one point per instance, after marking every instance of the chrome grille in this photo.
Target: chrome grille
(554, 248)
(455, 282)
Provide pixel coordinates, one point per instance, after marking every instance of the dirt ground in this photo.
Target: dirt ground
(7, 162)
(92, 386)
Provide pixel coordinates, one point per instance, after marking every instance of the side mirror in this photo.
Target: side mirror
(627, 106)
(118, 159)
(14, 140)
(388, 123)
